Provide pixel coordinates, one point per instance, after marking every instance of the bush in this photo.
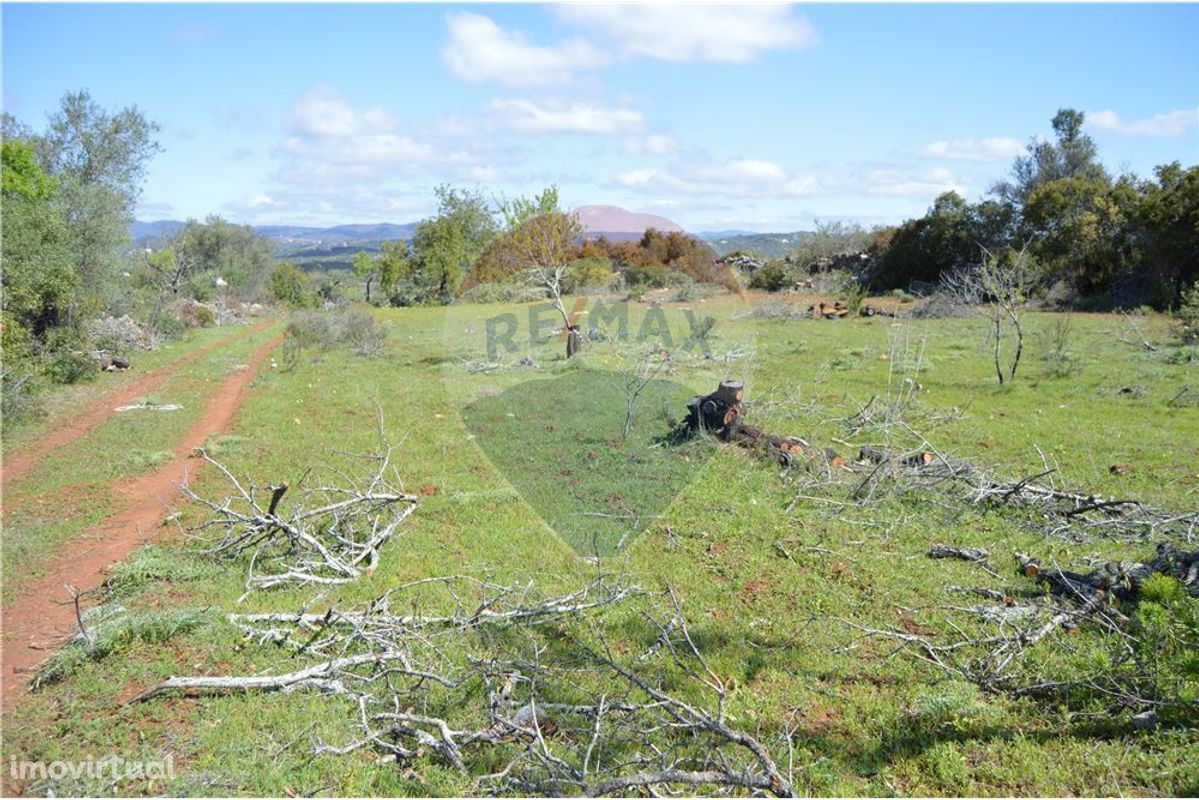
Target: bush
(771, 277)
(1188, 314)
(324, 331)
(67, 357)
(593, 272)
(518, 288)
(291, 285)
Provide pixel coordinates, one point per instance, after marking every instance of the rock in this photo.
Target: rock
(1145, 721)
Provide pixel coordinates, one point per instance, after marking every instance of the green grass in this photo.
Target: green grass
(560, 443)
(871, 722)
(67, 492)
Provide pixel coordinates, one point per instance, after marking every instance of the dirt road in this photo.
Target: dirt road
(42, 615)
(17, 464)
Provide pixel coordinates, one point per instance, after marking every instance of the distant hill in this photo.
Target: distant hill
(770, 245)
(617, 224)
(309, 246)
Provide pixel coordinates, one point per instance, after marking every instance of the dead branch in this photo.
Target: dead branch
(482, 679)
(331, 534)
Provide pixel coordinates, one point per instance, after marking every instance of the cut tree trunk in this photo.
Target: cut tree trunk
(721, 414)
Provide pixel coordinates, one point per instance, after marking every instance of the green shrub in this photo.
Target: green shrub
(66, 356)
(595, 271)
(1166, 631)
(205, 316)
(1188, 314)
(771, 277)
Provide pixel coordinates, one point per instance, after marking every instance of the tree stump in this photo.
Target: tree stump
(721, 414)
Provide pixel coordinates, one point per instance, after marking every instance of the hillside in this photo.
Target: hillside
(298, 242)
(771, 245)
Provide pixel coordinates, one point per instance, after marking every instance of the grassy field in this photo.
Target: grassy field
(525, 476)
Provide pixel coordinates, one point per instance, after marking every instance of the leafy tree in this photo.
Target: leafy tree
(99, 159)
(1072, 154)
(217, 248)
(395, 265)
(39, 277)
(829, 241)
(943, 240)
(1080, 229)
(541, 238)
(1169, 212)
(366, 268)
(446, 246)
(291, 285)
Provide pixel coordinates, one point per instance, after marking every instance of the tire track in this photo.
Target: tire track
(41, 617)
(19, 463)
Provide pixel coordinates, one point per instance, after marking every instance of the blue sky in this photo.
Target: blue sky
(762, 118)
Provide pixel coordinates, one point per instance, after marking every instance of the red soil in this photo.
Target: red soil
(17, 464)
(42, 615)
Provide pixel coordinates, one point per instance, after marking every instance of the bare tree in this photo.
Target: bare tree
(541, 238)
(1000, 286)
(637, 369)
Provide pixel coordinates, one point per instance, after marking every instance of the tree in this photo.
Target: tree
(1072, 154)
(1080, 229)
(827, 242)
(395, 265)
(234, 253)
(291, 285)
(1169, 212)
(99, 159)
(39, 276)
(942, 241)
(541, 238)
(1000, 286)
(445, 247)
(366, 268)
(170, 269)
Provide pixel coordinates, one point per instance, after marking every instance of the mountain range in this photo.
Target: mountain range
(334, 246)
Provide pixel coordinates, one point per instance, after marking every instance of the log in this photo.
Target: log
(963, 553)
(722, 414)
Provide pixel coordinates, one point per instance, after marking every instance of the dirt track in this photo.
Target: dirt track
(18, 463)
(42, 615)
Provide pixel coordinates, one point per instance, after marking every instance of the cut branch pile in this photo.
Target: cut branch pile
(999, 657)
(330, 536)
(1068, 514)
(509, 677)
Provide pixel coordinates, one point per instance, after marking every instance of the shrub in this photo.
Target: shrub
(595, 271)
(324, 331)
(66, 356)
(1188, 314)
(771, 277)
(291, 285)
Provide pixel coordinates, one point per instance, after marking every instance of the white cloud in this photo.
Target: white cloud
(655, 144)
(734, 178)
(324, 112)
(997, 148)
(528, 117)
(894, 183)
(729, 34)
(752, 178)
(480, 50)
(1159, 126)
(330, 141)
